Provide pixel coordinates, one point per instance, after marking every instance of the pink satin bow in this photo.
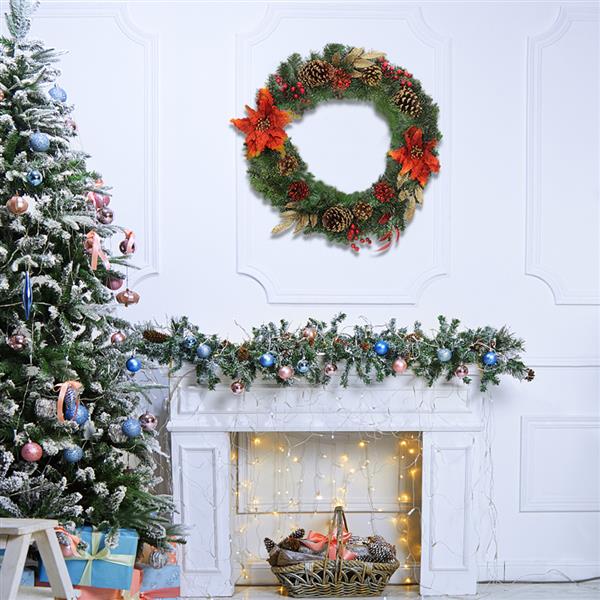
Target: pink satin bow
(93, 242)
(317, 541)
(62, 390)
(130, 237)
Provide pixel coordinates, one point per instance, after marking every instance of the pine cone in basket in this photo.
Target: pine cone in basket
(269, 544)
(380, 550)
(297, 533)
(290, 543)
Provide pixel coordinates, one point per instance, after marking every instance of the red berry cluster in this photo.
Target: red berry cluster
(383, 191)
(353, 236)
(396, 73)
(294, 91)
(341, 80)
(298, 190)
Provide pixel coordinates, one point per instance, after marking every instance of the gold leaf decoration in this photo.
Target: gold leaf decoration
(401, 180)
(409, 213)
(419, 194)
(336, 59)
(293, 218)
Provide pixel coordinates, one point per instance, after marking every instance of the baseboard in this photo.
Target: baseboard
(537, 570)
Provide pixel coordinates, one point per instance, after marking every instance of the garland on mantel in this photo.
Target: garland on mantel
(314, 352)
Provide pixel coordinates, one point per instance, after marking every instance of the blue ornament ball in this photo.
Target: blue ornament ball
(133, 364)
(73, 454)
(381, 347)
(444, 354)
(34, 177)
(131, 427)
(302, 366)
(203, 351)
(79, 414)
(490, 359)
(189, 342)
(57, 93)
(39, 142)
(266, 360)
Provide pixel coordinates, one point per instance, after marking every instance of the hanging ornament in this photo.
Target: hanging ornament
(286, 372)
(114, 282)
(330, 369)
(73, 454)
(27, 295)
(266, 360)
(76, 412)
(93, 246)
(399, 365)
(68, 398)
(203, 351)
(118, 337)
(128, 297)
(105, 215)
(444, 354)
(189, 342)
(39, 142)
(131, 427)
(381, 347)
(70, 123)
(98, 200)
(127, 246)
(31, 452)
(237, 387)
(34, 177)
(148, 421)
(461, 371)
(310, 333)
(133, 364)
(158, 559)
(302, 366)
(57, 93)
(490, 359)
(17, 205)
(17, 342)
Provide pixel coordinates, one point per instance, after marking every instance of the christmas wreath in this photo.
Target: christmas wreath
(309, 205)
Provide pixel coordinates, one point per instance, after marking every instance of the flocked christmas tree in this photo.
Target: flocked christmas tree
(69, 411)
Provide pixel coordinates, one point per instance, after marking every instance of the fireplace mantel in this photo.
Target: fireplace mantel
(448, 414)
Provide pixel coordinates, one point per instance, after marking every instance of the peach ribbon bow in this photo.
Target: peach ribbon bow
(317, 541)
(130, 237)
(93, 242)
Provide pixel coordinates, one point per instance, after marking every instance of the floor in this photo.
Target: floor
(493, 591)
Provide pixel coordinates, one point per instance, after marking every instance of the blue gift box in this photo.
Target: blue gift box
(28, 576)
(100, 566)
(157, 579)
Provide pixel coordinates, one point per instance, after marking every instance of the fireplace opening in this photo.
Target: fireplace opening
(285, 481)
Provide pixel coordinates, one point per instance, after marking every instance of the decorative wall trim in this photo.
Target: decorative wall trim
(532, 500)
(274, 15)
(148, 256)
(568, 14)
(514, 571)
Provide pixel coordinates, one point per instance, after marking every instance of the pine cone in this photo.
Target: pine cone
(315, 73)
(243, 353)
(337, 218)
(530, 375)
(269, 544)
(297, 533)
(380, 550)
(383, 191)
(408, 102)
(290, 543)
(362, 211)
(298, 190)
(154, 336)
(371, 76)
(287, 165)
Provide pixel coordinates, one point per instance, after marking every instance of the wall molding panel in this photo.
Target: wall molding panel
(259, 270)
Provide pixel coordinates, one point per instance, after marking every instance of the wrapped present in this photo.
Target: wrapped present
(100, 566)
(28, 575)
(150, 555)
(156, 579)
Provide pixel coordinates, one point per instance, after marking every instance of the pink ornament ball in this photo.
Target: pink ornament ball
(399, 365)
(31, 452)
(285, 372)
(461, 371)
(237, 387)
(114, 283)
(66, 551)
(118, 337)
(330, 369)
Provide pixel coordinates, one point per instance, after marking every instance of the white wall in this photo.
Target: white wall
(508, 233)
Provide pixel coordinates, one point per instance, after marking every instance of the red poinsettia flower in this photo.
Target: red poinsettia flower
(264, 126)
(416, 157)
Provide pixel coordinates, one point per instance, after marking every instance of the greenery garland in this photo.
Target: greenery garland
(313, 352)
(311, 206)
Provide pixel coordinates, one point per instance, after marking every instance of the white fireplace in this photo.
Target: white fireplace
(447, 419)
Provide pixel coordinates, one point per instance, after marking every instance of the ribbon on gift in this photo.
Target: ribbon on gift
(130, 237)
(317, 541)
(62, 389)
(94, 244)
(95, 553)
(73, 541)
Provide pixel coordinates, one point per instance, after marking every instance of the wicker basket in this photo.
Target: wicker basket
(335, 577)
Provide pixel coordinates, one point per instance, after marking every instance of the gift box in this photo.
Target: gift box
(146, 552)
(159, 583)
(99, 566)
(28, 575)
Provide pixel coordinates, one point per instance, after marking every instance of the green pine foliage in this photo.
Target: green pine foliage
(351, 352)
(67, 336)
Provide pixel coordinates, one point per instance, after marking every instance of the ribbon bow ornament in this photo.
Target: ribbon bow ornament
(94, 247)
(127, 246)
(62, 389)
(95, 553)
(68, 542)
(317, 541)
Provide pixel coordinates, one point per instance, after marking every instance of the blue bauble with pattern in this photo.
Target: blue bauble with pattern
(79, 414)
(203, 351)
(189, 342)
(444, 354)
(34, 177)
(39, 142)
(73, 454)
(302, 366)
(266, 360)
(490, 359)
(57, 93)
(133, 364)
(131, 427)
(381, 347)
